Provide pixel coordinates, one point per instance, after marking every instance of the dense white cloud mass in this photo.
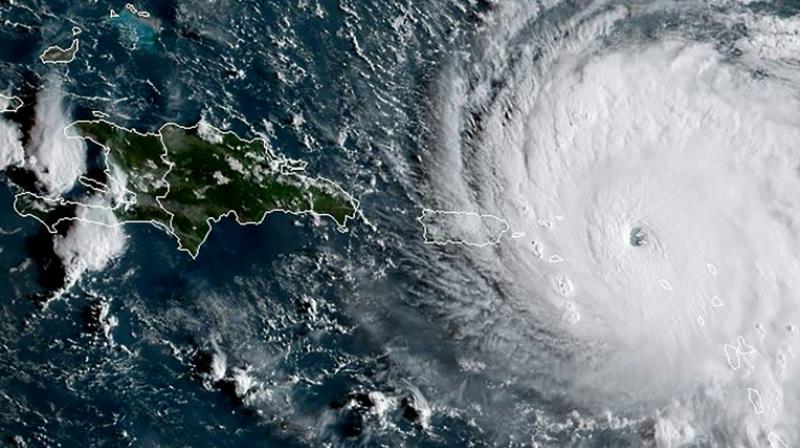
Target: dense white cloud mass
(92, 241)
(56, 159)
(11, 152)
(95, 236)
(656, 182)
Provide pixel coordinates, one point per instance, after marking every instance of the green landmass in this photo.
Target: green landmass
(49, 211)
(182, 179)
(56, 54)
(140, 158)
(210, 179)
(57, 213)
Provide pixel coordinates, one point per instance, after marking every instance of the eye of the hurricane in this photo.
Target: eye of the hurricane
(649, 184)
(638, 236)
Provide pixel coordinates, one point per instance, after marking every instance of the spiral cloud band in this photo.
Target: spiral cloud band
(647, 158)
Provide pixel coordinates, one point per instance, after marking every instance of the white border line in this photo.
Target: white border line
(491, 242)
(75, 43)
(12, 98)
(284, 162)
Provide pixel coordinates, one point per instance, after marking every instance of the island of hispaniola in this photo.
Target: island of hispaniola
(184, 178)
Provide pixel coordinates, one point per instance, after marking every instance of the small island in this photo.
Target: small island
(9, 103)
(443, 227)
(184, 179)
(58, 55)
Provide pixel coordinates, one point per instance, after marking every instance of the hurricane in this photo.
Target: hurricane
(645, 155)
(469, 223)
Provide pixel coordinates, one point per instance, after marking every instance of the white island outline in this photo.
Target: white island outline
(287, 167)
(491, 240)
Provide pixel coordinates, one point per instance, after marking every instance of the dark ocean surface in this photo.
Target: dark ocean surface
(273, 299)
(291, 332)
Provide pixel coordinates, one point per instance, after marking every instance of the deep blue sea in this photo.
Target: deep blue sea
(273, 300)
(295, 333)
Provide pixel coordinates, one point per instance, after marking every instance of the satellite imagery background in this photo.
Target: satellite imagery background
(440, 223)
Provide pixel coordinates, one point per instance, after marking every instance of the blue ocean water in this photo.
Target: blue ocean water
(123, 358)
(291, 332)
